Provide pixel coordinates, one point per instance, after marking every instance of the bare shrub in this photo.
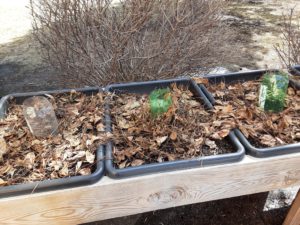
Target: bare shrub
(288, 49)
(97, 42)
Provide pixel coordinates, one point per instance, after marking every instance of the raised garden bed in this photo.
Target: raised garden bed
(73, 157)
(263, 134)
(184, 137)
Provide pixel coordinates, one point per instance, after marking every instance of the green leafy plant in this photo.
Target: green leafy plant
(160, 101)
(273, 91)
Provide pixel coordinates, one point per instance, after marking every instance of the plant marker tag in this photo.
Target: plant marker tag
(40, 116)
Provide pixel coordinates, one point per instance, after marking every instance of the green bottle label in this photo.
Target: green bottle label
(160, 101)
(272, 92)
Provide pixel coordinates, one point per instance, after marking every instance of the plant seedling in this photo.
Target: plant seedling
(160, 101)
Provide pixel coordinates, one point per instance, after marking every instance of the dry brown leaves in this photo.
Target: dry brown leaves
(296, 78)
(187, 130)
(25, 158)
(262, 128)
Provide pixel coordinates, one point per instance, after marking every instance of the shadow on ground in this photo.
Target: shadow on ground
(23, 70)
(245, 210)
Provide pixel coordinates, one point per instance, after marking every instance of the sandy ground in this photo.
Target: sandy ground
(14, 19)
(265, 17)
(258, 24)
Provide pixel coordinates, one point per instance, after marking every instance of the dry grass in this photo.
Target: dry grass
(94, 42)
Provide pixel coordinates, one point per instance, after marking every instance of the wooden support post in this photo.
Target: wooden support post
(293, 217)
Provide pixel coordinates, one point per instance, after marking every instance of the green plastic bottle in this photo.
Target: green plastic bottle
(160, 101)
(273, 90)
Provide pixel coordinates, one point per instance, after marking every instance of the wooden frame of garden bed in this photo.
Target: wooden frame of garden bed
(110, 198)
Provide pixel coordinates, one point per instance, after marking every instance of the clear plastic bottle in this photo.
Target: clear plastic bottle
(160, 101)
(273, 90)
(40, 116)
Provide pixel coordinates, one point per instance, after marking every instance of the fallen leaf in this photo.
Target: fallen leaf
(15, 144)
(122, 123)
(161, 140)
(122, 165)
(198, 142)
(3, 148)
(194, 103)
(56, 164)
(78, 165)
(211, 144)
(85, 171)
(100, 127)
(200, 80)
(171, 157)
(225, 109)
(2, 182)
(132, 105)
(251, 96)
(291, 91)
(90, 157)
(36, 142)
(73, 140)
(78, 155)
(268, 140)
(137, 162)
(220, 93)
(64, 171)
(130, 138)
(29, 160)
(173, 136)
(219, 135)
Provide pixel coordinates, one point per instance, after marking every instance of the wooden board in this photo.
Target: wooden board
(293, 217)
(115, 198)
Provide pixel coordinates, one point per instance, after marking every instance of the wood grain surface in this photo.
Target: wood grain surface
(115, 198)
(293, 217)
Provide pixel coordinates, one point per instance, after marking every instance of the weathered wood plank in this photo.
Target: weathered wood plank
(114, 198)
(293, 217)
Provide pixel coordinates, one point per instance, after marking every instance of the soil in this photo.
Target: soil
(256, 143)
(185, 131)
(70, 152)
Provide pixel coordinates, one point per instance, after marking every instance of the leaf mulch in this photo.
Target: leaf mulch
(187, 130)
(296, 78)
(25, 158)
(263, 129)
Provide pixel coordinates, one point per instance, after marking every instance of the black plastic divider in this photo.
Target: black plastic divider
(146, 88)
(295, 70)
(59, 183)
(242, 77)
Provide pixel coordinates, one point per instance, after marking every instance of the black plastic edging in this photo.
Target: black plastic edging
(250, 149)
(59, 183)
(145, 88)
(295, 70)
(261, 152)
